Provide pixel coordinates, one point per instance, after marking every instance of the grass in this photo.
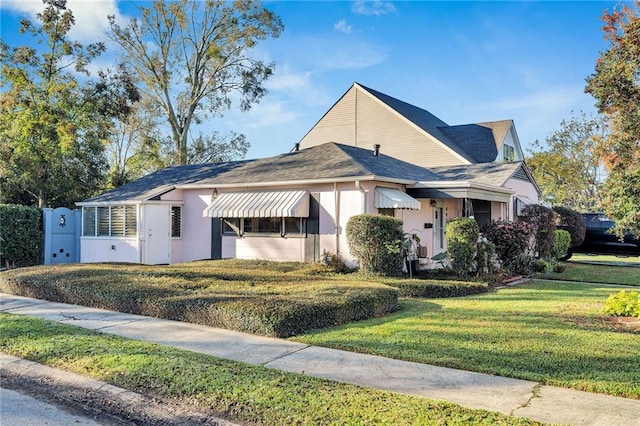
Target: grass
(239, 392)
(551, 332)
(601, 258)
(627, 273)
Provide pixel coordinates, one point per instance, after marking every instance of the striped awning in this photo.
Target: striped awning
(391, 198)
(259, 204)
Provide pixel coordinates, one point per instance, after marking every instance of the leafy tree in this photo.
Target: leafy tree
(52, 124)
(192, 57)
(615, 85)
(567, 166)
(543, 222)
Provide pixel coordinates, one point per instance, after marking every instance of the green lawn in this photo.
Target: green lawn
(601, 269)
(551, 332)
(237, 391)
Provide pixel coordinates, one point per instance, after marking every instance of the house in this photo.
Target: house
(369, 153)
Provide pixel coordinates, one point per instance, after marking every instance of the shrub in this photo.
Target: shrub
(542, 219)
(561, 243)
(375, 240)
(571, 221)
(462, 236)
(623, 304)
(420, 288)
(485, 258)
(511, 242)
(20, 235)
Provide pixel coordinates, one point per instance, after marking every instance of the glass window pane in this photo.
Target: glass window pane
(269, 225)
(117, 221)
(293, 225)
(176, 221)
(89, 221)
(103, 221)
(131, 221)
(231, 226)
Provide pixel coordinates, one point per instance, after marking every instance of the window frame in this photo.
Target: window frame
(258, 227)
(102, 219)
(174, 234)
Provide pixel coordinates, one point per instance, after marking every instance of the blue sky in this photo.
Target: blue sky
(463, 61)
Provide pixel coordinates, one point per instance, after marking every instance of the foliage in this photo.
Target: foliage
(202, 60)
(240, 392)
(567, 166)
(572, 222)
(623, 304)
(52, 125)
(511, 242)
(375, 240)
(616, 88)
(543, 223)
(20, 236)
(485, 258)
(561, 243)
(547, 332)
(255, 297)
(462, 237)
(425, 288)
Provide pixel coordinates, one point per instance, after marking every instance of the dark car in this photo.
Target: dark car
(599, 240)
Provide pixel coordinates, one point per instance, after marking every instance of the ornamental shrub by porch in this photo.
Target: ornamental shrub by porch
(462, 238)
(511, 241)
(375, 240)
(542, 219)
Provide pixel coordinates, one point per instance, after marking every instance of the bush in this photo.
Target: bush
(20, 235)
(226, 294)
(561, 243)
(542, 220)
(375, 240)
(572, 222)
(511, 242)
(623, 304)
(421, 288)
(462, 236)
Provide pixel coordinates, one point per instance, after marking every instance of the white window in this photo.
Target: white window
(113, 221)
(289, 226)
(508, 153)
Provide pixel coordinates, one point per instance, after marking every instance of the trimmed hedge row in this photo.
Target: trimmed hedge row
(271, 307)
(20, 236)
(421, 288)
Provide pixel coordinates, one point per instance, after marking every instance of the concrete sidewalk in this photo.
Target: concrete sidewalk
(515, 397)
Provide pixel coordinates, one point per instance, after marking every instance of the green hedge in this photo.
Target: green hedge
(376, 241)
(462, 238)
(20, 235)
(268, 302)
(420, 288)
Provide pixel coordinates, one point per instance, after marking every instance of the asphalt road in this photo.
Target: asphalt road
(19, 409)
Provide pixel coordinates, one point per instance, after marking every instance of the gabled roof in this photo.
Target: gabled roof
(477, 140)
(422, 118)
(330, 161)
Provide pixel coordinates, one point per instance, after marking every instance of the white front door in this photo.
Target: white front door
(158, 235)
(438, 230)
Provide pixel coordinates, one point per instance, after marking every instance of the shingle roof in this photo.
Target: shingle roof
(494, 174)
(421, 118)
(476, 140)
(326, 161)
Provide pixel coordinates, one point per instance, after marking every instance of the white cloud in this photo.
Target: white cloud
(342, 26)
(375, 7)
(90, 15)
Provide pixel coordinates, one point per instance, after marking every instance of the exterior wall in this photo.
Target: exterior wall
(196, 230)
(101, 249)
(522, 188)
(361, 120)
(337, 125)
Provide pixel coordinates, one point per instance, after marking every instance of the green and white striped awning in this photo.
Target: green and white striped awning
(391, 198)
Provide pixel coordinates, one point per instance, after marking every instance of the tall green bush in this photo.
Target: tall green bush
(542, 219)
(462, 238)
(572, 222)
(561, 243)
(20, 235)
(376, 240)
